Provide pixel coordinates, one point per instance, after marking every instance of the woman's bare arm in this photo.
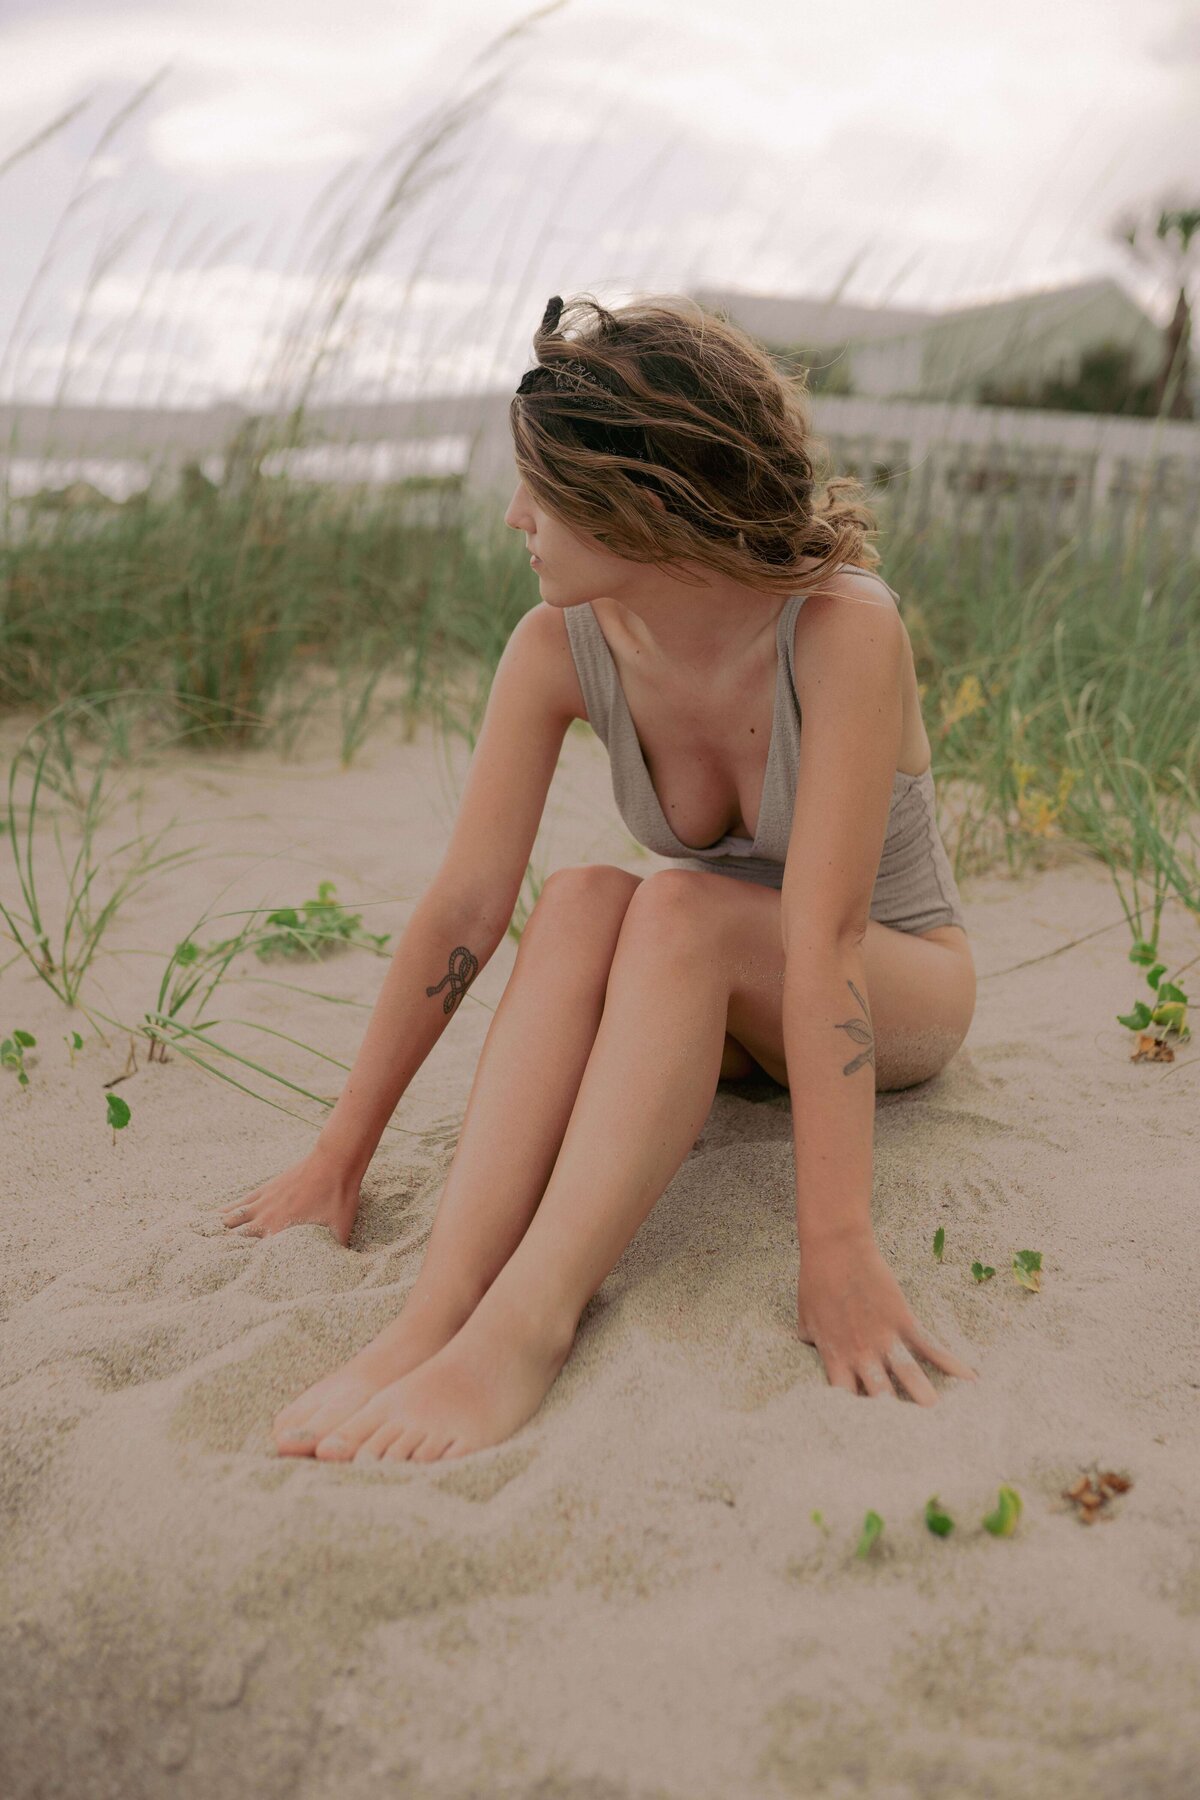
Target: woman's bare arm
(466, 911)
(452, 933)
(443, 948)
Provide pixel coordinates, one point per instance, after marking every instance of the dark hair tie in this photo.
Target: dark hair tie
(559, 376)
(566, 374)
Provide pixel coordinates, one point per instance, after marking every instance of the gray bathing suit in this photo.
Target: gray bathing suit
(915, 888)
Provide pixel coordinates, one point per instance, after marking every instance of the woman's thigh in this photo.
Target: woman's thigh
(921, 987)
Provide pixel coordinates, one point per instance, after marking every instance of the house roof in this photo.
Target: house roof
(819, 323)
(803, 319)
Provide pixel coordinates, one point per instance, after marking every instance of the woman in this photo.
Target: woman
(698, 598)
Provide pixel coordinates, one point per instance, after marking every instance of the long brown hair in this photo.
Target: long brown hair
(662, 394)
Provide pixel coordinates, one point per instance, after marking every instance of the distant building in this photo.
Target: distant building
(902, 415)
(894, 353)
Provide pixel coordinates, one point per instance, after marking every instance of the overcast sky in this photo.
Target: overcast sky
(923, 154)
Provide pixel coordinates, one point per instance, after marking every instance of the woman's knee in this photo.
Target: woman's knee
(675, 910)
(584, 901)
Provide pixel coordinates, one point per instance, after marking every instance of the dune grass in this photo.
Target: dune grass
(1058, 682)
(1061, 712)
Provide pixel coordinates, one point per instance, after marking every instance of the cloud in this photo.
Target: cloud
(933, 154)
(249, 127)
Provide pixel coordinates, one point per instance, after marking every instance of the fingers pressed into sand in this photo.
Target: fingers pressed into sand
(840, 1374)
(244, 1209)
(941, 1358)
(911, 1375)
(875, 1381)
(251, 1226)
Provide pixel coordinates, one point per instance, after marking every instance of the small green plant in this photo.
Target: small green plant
(12, 1054)
(939, 1241)
(118, 1113)
(320, 925)
(74, 1042)
(937, 1519)
(1169, 1011)
(1027, 1267)
(818, 1519)
(193, 974)
(1003, 1521)
(191, 968)
(194, 971)
(982, 1271)
(872, 1527)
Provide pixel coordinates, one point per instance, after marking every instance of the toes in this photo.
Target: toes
(372, 1448)
(401, 1450)
(346, 1437)
(295, 1440)
(351, 1426)
(331, 1411)
(334, 1448)
(298, 1428)
(433, 1447)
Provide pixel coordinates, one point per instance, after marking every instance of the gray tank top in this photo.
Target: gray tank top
(915, 888)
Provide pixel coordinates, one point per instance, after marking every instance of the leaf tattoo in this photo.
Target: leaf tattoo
(860, 1033)
(462, 971)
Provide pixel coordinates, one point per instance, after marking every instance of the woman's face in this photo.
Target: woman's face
(572, 566)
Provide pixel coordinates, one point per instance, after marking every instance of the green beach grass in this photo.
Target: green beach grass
(1059, 673)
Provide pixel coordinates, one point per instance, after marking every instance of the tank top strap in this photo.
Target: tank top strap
(596, 671)
(859, 570)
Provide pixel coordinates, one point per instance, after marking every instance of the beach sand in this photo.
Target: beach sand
(629, 1599)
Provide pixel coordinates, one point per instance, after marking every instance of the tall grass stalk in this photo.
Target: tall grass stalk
(85, 920)
(1058, 673)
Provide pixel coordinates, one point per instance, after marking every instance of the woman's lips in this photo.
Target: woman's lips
(535, 562)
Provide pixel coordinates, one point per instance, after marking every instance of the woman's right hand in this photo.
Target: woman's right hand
(318, 1190)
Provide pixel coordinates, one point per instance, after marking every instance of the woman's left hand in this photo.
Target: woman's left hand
(850, 1307)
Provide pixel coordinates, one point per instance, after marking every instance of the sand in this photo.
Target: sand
(629, 1599)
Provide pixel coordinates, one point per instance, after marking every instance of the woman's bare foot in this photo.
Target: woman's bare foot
(486, 1381)
(428, 1321)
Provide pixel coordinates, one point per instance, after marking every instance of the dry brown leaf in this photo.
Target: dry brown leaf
(1151, 1049)
(1092, 1492)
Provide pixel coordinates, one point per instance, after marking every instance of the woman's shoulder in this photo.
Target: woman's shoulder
(547, 654)
(847, 586)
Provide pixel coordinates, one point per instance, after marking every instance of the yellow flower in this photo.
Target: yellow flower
(1037, 812)
(1066, 782)
(967, 700)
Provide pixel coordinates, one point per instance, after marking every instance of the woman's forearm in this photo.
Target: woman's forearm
(444, 945)
(830, 1049)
